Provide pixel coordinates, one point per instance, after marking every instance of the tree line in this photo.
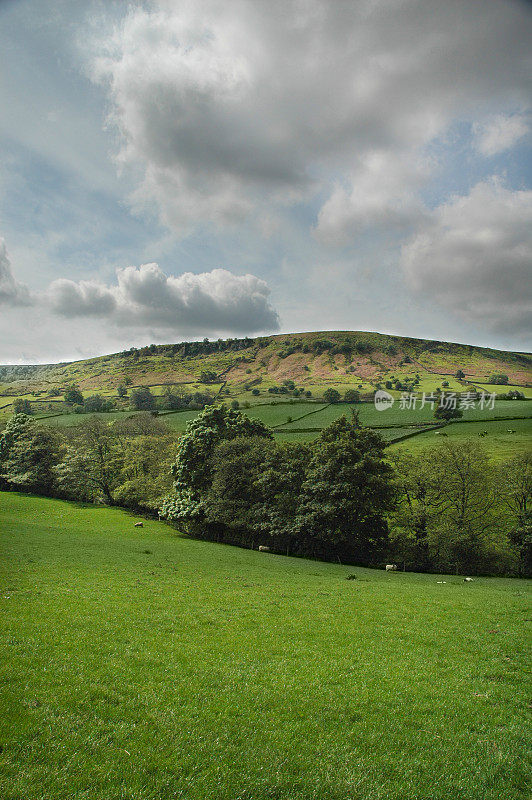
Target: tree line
(342, 497)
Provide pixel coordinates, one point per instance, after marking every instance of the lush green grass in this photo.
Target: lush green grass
(139, 664)
(66, 420)
(398, 416)
(500, 445)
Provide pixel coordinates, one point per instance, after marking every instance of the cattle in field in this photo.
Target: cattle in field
(263, 549)
(391, 567)
(139, 524)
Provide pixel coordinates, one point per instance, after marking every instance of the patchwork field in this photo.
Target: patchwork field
(309, 418)
(315, 361)
(502, 440)
(139, 664)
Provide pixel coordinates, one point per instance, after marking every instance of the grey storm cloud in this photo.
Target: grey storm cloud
(81, 299)
(11, 292)
(474, 257)
(229, 108)
(206, 303)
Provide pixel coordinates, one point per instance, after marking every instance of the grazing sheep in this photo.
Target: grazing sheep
(139, 524)
(391, 567)
(263, 549)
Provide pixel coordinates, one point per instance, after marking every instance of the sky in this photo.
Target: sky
(173, 170)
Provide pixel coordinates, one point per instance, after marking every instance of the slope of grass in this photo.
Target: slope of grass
(137, 664)
(498, 442)
(396, 415)
(268, 361)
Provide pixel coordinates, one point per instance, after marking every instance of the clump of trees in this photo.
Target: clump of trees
(73, 395)
(234, 483)
(447, 409)
(22, 406)
(352, 396)
(127, 462)
(498, 379)
(458, 513)
(341, 496)
(331, 395)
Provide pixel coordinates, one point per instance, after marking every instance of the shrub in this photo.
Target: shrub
(21, 406)
(352, 396)
(73, 395)
(331, 395)
(142, 399)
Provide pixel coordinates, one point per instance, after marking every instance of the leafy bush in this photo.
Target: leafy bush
(331, 395)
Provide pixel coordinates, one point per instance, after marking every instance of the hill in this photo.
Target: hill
(311, 361)
(138, 663)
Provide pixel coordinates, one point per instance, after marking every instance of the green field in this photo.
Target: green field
(309, 418)
(138, 664)
(397, 416)
(498, 442)
(247, 365)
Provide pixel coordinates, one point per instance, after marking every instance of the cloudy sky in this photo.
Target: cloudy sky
(178, 169)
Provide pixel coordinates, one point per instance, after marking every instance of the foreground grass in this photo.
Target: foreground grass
(138, 664)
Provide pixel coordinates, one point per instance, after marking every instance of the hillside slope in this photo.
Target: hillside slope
(138, 663)
(313, 361)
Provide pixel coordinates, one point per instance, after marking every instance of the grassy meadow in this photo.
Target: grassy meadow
(307, 419)
(139, 664)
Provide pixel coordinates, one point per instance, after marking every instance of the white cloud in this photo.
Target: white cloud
(206, 304)
(475, 257)
(11, 292)
(500, 133)
(382, 193)
(232, 109)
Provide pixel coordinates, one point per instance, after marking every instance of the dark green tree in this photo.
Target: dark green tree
(331, 395)
(142, 399)
(498, 379)
(446, 408)
(73, 395)
(347, 491)
(254, 494)
(96, 403)
(22, 406)
(29, 458)
(193, 469)
(352, 396)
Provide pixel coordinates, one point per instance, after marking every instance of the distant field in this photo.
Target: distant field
(500, 444)
(397, 416)
(67, 420)
(309, 418)
(139, 664)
